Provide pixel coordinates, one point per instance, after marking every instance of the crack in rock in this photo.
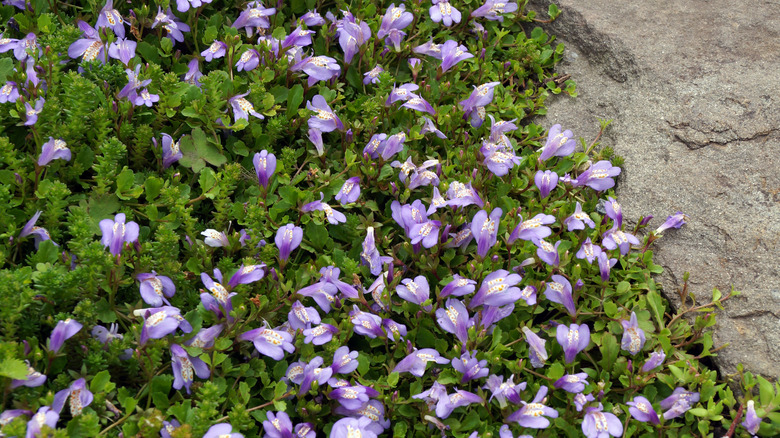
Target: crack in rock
(695, 135)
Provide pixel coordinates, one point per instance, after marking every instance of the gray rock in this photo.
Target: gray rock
(693, 91)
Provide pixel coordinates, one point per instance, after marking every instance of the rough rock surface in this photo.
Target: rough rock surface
(693, 91)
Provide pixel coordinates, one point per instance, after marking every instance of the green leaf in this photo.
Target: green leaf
(206, 150)
(44, 23)
(99, 382)
(294, 100)
(13, 368)
(392, 379)
(400, 428)
(104, 312)
(280, 389)
(152, 188)
(765, 390)
(6, 68)
(656, 304)
(609, 351)
(623, 287)
(207, 181)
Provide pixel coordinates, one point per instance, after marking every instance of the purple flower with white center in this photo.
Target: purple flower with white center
(497, 289)
(590, 251)
(373, 409)
(222, 430)
(499, 129)
(454, 318)
(430, 48)
(419, 104)
(432, 395)
(185, 366)
(168, 428)
(573, 339)
(678, 403)
(312, 372)
(642, 410)
(155, 289)
(218, 296)
(395, 18)
(415, 291)
(502, 391)
(170, 150)
(193, 73)
(404, 92)
(123, 50)
(615, 238)
(8, 44)
(44, 416)
(353, 428)
(247, 274)
(105, 336)
(352, 35)
(752, 421)
(427, 233)
(499, 162)
(265, 166)
(288, 237)
(54, 150)
(184, 5)
(393, 145)
(352, 397)
(375, 146)
(493, 314)
(559, 291)
(461, 195)
(32, 112)
(313, 18)
(459, 286)
(614, 212)
(573, 383)
(133, 83)
(206, 337)
(25, 47)
(344, 361)
(598, 176)
(370, 255)
(452, 53)
(470, 367)
(269, 342)
(323, 294)
(300, 37)
(655, 360)
(528, 294)
(33, 379)
(366, 324)
(301, 317)
(598, 424)
(443, 12)
(9, 92)
(577, 221)
(372, 76)
(394, 330)
(116, 233)
(350, 191)
(216, 50)
(253, 17)
(330, 274)
(315, 137)
(559, 144)
(146, 98)
(407, 167)
(8, 416)
(536, 351)
(533, 414)
(428, 126)
(485, 230)
(633, 336)
(319, 68)
(580, 400)
(242, 108)
(324, 119)
(481, 97)
(278, 425)
(334, 217)
(547, 253)
(78, 394)
(416, 362)
(533, 228)
(214, 238)
(111, 18)
(446, 405)
(159, 322)
(675, 221)
(492, 10)
(546, 182)
(462, 238)
(249, 60)
(437, 202)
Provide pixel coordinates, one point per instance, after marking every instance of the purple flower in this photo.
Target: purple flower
(394, 330)
(184, 5)
(573, 339)
(485, 230)
(678, 403)
(430, 48)
(299, 37)
(655, 360)
(217, 49)
(344, 361)
(253, 17)
(80, 397)
(428, 126)
(499, 161)
(532, 228)
(615, 238)
(370, 255)
(334, 217)
(577, 221)
(633, 336)
(193, 73)
(497, 289)
(573, 383)
(105, 336)
(322, 292)
(415, 291)
(504, 390)
(123, 50)
(319, 68)
(372, 76)
(589, 251)
(350, 191)
(751, 422)
(315, 137)
(393, 145)
(352, 397)
(325, 120)
(537, 352)
(44, 416)
(443, 12)
(53, 150)
(614, 212)
(528, 294)
(206, 337)
(287, 239)
(461, 195)
(533, 414)
(63, 331)
(91, 47)
(116, 233)
(416, 362)
(214, 238)
(352, 35)
(366, 324)
(312, 372)
(459, 286)
(312, 18)
(598, 176)
(249, 60)
(9, 92)
(426, 232)
(219, 298)
(183, 366)
(419, 104)
(222, 430)
(242, 108)
(404, 92)
(470, 367)
(493, 314)
(452, 53)
(395, 18)
(559, 291)
(447, 404)
(642, 410)
(247, 274)
(269, 342)
(580, 400)
(110, 17)
(278, 425)
(265, 166)
(155, 289)
(301, 317)
(373, 410)
(481, 97)
(330, 274)
(462, 238)
(454, 318)
(492, 10)
(545, 181)
(32, 112)
(559, 144)
(675, 221)
(33, 379)
(598, 424)
(145, 98)
(375, 146)
(170, 24)
(547, 253)
(171, 151)
(159, 322)
(352, 427)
